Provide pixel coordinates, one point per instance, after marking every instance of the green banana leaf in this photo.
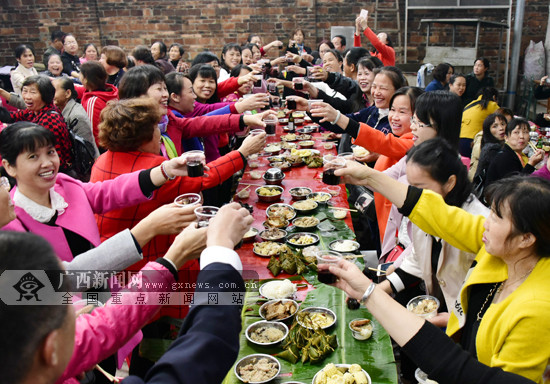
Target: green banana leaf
(375, 355)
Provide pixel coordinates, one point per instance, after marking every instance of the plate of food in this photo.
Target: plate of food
(302, 239)
(306, 144)
(344, 246)
(266, 249)
(269, 194)
(299, 193)
(266, 333)
(250, 234)
(273, 148)
(316, 317)
(281, 210)
(306, 223)
(305, 206)
(278, 309)
(278, 289)
(342, 373)
(257, 368)
(276, 222)
(320, 197)
(289, 137)
(273, 234)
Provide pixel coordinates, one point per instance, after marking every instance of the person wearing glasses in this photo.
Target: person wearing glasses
(69, 57)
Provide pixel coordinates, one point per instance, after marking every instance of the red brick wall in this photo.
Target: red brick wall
(210, 24)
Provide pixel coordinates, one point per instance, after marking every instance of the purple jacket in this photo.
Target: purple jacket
(83, 199)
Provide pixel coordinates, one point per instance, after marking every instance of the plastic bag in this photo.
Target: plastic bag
(534, 65)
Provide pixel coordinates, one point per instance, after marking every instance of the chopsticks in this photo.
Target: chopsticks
(245, 188)
(533, 147)
(381, 272)
(257, 185)
(344, 209)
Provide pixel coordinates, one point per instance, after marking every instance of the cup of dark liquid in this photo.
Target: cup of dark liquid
(327, 257)
(195, 167)
(330, 164)
(291, 104)
(298, 83)
(258, 81)
(270, 125)
(205, 214)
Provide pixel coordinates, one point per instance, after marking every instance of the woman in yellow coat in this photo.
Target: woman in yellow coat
(473, 116)
(501, 315)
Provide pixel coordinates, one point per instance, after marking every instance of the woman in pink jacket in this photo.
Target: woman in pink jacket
(58, 207)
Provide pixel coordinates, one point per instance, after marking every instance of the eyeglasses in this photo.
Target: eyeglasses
(5, 183)
(418, 124)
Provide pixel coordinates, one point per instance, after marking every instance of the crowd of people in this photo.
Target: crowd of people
(450, 191)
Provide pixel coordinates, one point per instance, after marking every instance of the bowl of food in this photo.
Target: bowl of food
(361, 329)
(266, 333)
(243, 194)
(289, 137)
(253, 164)
(278, 289)
(273, 176)
(283, 120)
(303, 136)
(278, 310)
(359, 152)
(344, 246)
(320, 197)
(266, 249)
(281, 210)
(341, 373)
(339, 213)
(273, 159)
(328, 145)
(425, 306)
(273, 234)
(305, 207)
(306, 144)
(250, 234)
(299, 193)
(298, 114)
(282, 165)
(307, 223)
(302, 239)
(269, 193)
(276, 222)
(316, 317)
(273, 148)
(307, 129)
(257, 368)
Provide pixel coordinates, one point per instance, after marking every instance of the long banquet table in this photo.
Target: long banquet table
(375, 355)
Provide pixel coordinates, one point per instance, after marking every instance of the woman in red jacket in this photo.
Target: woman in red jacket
(97, 94)
(383, 48)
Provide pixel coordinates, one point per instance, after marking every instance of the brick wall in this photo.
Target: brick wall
(209, 24)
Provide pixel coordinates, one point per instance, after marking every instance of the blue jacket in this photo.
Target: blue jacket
(208, 343)
(435, 85)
